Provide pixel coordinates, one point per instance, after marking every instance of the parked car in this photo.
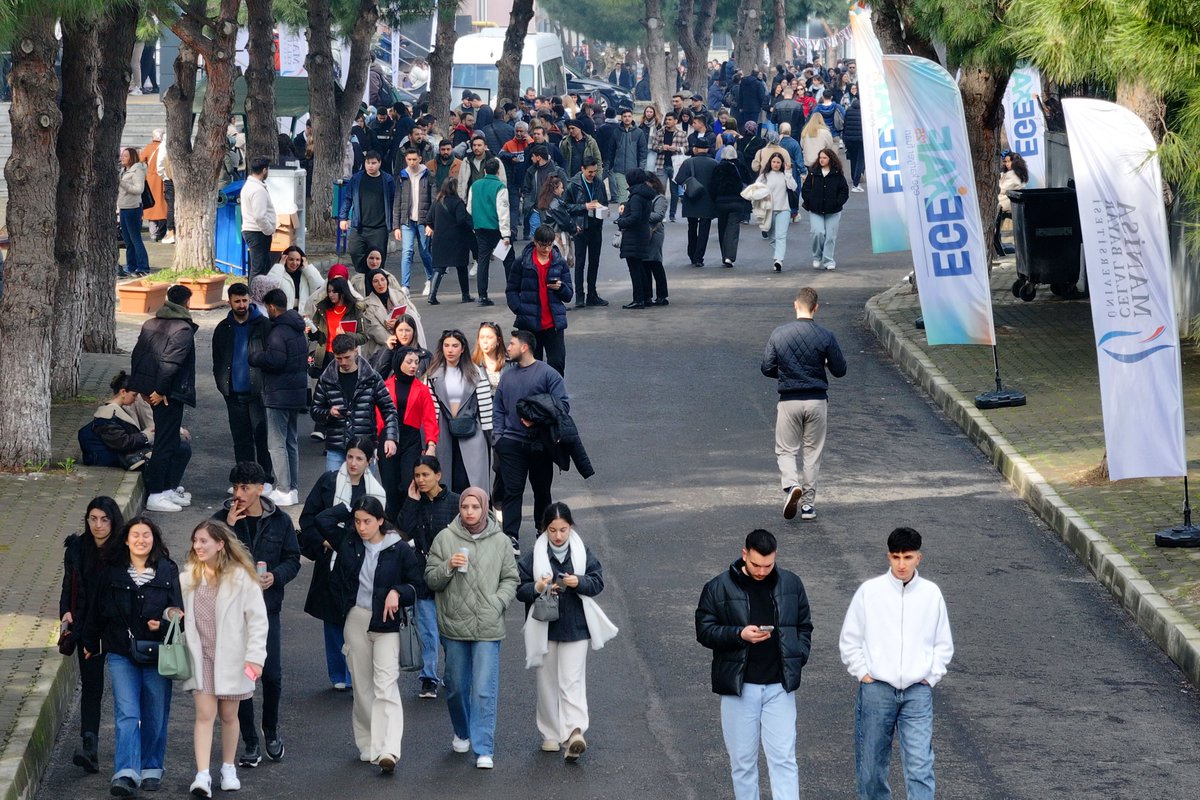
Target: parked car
(603, 93)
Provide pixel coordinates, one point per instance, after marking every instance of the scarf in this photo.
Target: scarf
(482, 497)
(385, 295)
(537, 633)
(342, 489)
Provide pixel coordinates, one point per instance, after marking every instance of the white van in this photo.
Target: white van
(475, 58)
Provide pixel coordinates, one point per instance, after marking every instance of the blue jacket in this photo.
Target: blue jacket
(524, 297)
(351, 204)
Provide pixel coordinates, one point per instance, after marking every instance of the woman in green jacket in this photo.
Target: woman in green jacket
(473, 575)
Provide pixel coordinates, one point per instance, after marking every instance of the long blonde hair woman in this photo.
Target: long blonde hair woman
(220, 574)
(815, 137)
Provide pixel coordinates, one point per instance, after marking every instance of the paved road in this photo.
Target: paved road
(1053, 692)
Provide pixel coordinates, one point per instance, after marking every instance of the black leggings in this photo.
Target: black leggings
(91, 696)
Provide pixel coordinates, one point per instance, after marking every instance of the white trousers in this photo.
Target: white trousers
(562, 690)
(374, 661)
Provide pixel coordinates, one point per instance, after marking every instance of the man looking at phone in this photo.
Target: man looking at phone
(755, 618)
(345, 400)
(539, 288)
(270, 536)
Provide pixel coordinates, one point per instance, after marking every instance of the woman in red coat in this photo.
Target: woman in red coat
(418, 427)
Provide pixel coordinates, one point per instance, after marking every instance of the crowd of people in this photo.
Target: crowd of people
(414, 526)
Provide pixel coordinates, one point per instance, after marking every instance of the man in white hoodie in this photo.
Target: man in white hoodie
(896, 642)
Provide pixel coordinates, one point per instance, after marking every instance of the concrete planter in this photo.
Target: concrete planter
(140, 297)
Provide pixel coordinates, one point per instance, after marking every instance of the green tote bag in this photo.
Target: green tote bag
(174, 661)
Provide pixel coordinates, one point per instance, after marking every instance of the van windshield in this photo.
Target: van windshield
(486, 76)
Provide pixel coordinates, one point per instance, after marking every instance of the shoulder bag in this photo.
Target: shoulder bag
(411, 658)
(174, 660)
(463, 426)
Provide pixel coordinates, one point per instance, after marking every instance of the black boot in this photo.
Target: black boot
(86, 755)
(434, 284)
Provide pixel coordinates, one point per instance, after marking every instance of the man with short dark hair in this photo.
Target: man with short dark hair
(445, 166)
(487, 203)
(258, 217)
(799, 355)
(283, 362)
(586, 198)
(270, 536)
(414, 198)
(576, 146)
(755, 618)
(518, 456)
(539, 287)
(896, 642)
(472, 168)
(366, 210)
(347, 397)
(242, 334)
(163, 370)
(628, 152)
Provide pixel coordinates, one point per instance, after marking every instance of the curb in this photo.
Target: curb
(1177, 637)
(39, 724)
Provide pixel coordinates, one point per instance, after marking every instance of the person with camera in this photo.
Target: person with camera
(135, 597)
(755, 618)
(560, 577)
(83, 568)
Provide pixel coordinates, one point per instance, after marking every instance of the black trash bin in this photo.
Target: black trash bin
(1048, 240)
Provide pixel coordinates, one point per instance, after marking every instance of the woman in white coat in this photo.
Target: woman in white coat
(226, 637)
(298, 279)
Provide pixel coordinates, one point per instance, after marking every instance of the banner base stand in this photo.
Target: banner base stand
(1003, 398)
(1179, 536)
(919, 323)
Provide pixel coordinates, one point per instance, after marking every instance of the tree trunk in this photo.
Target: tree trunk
(26, 307)
(694, 25)
(332, 112)
(660, 86)
(983, 95)
(262, 131)
(1149, 106)
(748, 44)
(441, 60)
(896, 30)
(197, 164)
(779, 40)
(85, 238)
(117, 34)
(509, 66)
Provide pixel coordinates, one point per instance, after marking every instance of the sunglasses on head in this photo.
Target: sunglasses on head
(453, 332)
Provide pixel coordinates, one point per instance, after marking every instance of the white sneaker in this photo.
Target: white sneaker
(425, 291)
(293, 498)
(181, 500)
(161, 501)
(281, 498)
(484, 762)
(460, 745)
(831, 266)
(858, 189)
(184, 493)
(229, 778)
(473, 271)
(168, 239)
(817, 263)
(136, 92)
(202, 785)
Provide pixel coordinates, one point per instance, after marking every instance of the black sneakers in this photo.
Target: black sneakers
(251, 756)
(275, 748)
(428, 689)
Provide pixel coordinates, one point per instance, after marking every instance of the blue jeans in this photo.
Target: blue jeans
(141, 707)
(428, 629)
(335, 660)
(881, 710)
(472, 687)
(766, 714)
(136, 259)
(779, 231)
(824, 237)
(414, 234)
(334, 459)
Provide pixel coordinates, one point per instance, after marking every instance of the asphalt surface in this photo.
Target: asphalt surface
(1053, 691)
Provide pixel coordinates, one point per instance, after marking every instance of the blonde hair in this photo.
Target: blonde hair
(814, 126)
(232, 556)
(785, 129)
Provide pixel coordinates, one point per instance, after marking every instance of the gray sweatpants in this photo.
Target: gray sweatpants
(800, 434)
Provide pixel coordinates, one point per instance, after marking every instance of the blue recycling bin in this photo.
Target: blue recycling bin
(229, 247)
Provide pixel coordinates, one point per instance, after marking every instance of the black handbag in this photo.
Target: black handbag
(411, 656)
(463, 426)
(147, 197)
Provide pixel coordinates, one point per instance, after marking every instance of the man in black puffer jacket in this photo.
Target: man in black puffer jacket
(539, 287)
(163, 370)
(347, 396)
(798, 355)
(755, 618)
(283, 363)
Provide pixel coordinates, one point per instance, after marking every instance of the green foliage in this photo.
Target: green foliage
(836, 14)
(13, 12)
(973, 31)
(617, 21)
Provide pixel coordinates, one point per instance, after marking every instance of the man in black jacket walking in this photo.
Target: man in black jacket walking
(798, 355)
(755, 618)
(270, 536)
(239, 336)
(163, 370)
(348, 395)
(283, 363)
